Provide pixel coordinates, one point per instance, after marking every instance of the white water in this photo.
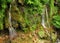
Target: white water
(45, 22)
(44, 18)
(12, 31)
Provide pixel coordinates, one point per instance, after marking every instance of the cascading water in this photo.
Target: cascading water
(43, 19)
(11, 29)
(45, 22)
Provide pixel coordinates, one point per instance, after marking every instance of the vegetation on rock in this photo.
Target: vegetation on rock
(27, 16)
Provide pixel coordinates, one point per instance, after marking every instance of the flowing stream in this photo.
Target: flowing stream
(12, 31)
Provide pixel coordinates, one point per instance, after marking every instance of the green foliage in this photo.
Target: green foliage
(58, 1)
(55, 9)
(32, 11)
(56, 17)
(33, 6)
(32, 2)
(31, 21)
(56, 21)
(3, 6)
(9, 1)
(44, 1)
(51, 8)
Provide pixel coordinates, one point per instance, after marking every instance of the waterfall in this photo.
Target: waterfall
(45, 22)
(43, 19)
(12, 31)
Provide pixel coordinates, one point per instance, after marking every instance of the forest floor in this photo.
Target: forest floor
(30, 37)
